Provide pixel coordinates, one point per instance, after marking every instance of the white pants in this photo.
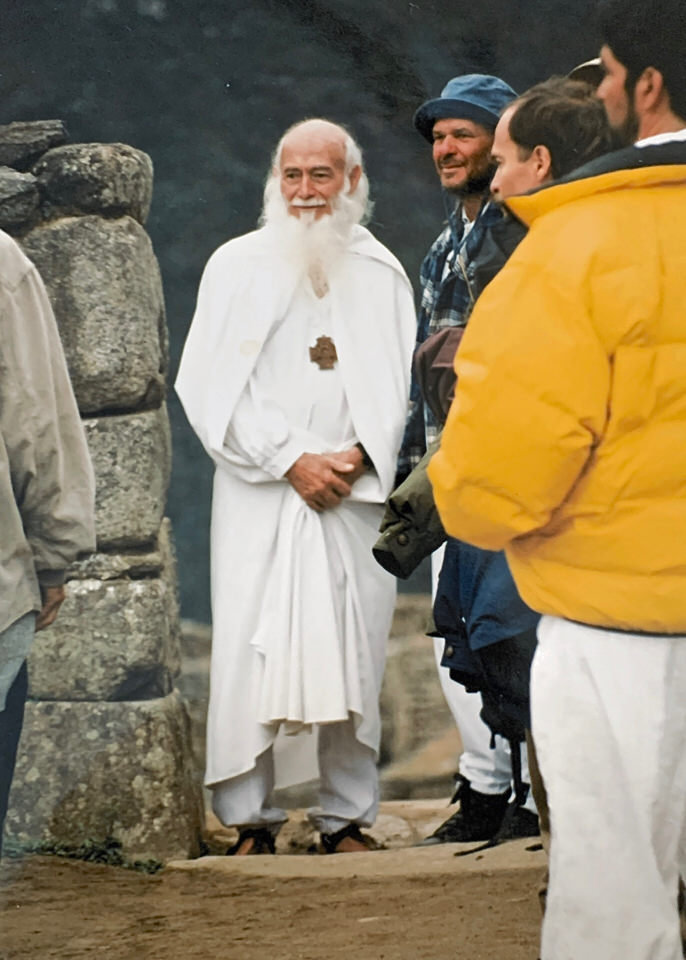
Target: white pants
(488, 769)
(348, 786)
(609, 722)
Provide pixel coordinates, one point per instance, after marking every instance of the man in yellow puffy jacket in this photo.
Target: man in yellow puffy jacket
(565, 446)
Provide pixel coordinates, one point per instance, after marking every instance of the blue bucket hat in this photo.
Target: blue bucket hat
(474, 96)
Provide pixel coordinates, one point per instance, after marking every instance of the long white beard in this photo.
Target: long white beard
(314, 246)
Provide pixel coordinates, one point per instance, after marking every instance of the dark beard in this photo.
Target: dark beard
(476, 186)
(627, 133)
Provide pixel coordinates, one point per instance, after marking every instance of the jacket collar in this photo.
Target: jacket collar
(652, 165)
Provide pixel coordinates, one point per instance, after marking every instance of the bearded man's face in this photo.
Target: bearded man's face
(312, 173)
(462, 155)
(617, 99)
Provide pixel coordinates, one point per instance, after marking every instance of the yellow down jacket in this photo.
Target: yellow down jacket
(566, 443)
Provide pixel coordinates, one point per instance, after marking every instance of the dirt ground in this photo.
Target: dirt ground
(54, 908)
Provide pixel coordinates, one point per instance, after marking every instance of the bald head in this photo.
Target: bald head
(315, 134)
(318, 132)
(316, 160)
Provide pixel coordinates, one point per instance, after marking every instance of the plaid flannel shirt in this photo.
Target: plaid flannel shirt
(446, 302)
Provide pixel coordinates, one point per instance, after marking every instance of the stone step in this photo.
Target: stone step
(399, 826)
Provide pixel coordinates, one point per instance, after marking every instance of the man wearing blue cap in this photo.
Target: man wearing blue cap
(460, 125)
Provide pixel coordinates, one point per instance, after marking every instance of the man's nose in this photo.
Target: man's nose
(446, 147)
(305, 189)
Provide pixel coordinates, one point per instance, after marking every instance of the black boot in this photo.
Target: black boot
(519, 822)
(478, 818)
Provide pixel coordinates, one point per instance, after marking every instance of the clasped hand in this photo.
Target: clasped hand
(324, 479)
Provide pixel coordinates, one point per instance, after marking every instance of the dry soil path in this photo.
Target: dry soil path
(403, 903)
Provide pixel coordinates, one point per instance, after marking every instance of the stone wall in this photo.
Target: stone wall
(106, 745)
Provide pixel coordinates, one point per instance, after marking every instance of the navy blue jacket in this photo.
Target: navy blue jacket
(490, 633)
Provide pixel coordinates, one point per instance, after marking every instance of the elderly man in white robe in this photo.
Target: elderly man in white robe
(295, 376)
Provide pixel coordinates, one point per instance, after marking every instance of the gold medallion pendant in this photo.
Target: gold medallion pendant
(323, 353)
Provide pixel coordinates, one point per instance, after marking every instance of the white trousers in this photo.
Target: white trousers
(348, 786)
(488, 769)
(609, 722)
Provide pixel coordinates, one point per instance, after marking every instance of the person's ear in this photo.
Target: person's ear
(649, 90)
(542, 163)
(354, 178)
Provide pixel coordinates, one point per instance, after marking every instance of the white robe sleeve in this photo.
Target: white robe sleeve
(259, 436)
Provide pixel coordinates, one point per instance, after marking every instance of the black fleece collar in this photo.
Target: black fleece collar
(629, 158)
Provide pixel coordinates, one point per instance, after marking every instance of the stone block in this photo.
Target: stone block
(132, 460)
(194, 684)
(428, 772)
(113, 640)
(413, 709)
(109, 178)
(22, 143)
(19, 198)
(411, 615)
(104, 283)
(90, 771)
(170, 577)
(134, 564)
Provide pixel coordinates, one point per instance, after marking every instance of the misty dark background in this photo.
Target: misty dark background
(206, 87)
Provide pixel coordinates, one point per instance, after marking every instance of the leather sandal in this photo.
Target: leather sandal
(263, 842)
(332, 841)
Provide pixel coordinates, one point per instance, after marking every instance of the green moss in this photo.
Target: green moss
(107, 851)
